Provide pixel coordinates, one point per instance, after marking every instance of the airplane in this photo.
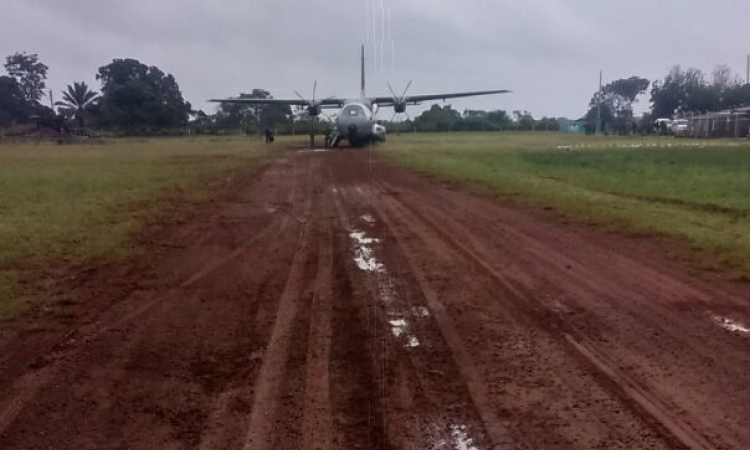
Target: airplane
(356, 123)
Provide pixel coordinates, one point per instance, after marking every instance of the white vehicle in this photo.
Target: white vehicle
(679, 127)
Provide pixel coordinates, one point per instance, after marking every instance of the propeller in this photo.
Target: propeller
(399, 102)
(313, 107)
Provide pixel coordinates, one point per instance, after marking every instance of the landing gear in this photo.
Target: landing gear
(332, 138)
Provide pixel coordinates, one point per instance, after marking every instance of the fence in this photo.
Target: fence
(719, 125)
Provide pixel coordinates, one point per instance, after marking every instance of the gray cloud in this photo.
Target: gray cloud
(548, 51)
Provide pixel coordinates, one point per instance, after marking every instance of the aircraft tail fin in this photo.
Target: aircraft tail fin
(363, 92)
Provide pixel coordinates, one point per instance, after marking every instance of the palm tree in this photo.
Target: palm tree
(78, 98)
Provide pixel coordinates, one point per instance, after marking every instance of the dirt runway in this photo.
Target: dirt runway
(333, 302)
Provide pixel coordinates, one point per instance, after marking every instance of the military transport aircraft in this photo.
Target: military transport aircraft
(357, 122)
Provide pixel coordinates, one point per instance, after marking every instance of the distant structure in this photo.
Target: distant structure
(733, 123)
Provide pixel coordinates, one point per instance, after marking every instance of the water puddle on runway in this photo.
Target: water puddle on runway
(366, 261)
(401, 320)
(315, 150)
(368, 219)
(461, 439)
(731, 325)
(400, 329)
(364, 253)
(452, 437)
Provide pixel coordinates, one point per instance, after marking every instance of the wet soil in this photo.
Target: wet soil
(334, 302)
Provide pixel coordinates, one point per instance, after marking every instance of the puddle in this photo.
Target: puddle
(458, 438)
(364, 257)
(732, 325)
(363, 252)
(315, 150)
(398, 327)
(362, 238)
(461, 439)
(368, 219)
(413, 342)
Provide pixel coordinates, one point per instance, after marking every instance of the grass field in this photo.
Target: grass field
(695, 193)
(62, 205)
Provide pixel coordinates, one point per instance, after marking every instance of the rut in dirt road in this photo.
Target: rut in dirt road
(335, 304)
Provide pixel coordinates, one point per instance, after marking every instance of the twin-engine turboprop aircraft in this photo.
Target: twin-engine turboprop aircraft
(356, 123)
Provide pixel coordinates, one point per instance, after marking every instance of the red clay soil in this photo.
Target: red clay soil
(331, 304)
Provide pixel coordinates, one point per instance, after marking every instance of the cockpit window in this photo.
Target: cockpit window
(353, 111)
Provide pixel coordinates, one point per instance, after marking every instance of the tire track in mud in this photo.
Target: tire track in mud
(438, 420)
(267, 387)
(360, 347)
(228, 417)
(316, 426)
(641, 399)
(280, 338)
(496, 429)
(25, 389)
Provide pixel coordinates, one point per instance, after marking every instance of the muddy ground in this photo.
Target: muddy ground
(335, 303)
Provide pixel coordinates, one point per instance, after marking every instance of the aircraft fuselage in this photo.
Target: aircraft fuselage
(356, 124)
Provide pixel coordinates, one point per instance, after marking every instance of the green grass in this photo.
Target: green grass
(63, 205)
(695, 193)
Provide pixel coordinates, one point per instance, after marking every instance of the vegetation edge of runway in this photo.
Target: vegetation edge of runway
(64, 206)
(693, 195)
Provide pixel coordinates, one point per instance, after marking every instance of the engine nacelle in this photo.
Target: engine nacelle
(378, 132)
(314, 110)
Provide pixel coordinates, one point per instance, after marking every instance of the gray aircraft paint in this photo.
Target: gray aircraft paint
(357, 122)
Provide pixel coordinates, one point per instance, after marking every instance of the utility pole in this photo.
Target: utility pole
(599, 104)
(748, 69)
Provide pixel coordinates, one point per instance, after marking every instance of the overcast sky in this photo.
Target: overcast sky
(549, 52)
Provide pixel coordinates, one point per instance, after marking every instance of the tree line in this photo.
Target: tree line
(681, 92)
(134, 98)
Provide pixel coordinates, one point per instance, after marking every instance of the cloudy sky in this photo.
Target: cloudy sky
(548, 51)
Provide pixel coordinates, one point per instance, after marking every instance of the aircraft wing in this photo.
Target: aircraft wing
(417, 99)
(325, 103)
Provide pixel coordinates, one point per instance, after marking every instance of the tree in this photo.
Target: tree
(548, 124)
(499, 119)
(78, 100)
(524, 120)
(29, 73)
(13, 106)
(139, 98)
(254, 118)
(682, 90)
(614, 103)
(438, 118)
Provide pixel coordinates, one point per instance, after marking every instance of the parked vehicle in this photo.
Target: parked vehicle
(679, 127)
